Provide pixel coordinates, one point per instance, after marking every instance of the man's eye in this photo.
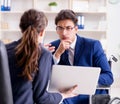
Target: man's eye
(68, 28)
(61, 28)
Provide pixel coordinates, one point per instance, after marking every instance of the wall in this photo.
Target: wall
(114, 43)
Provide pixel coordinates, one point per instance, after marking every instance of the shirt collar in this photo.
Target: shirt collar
(73, 43)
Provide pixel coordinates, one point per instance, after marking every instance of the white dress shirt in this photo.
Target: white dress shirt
(71, 52)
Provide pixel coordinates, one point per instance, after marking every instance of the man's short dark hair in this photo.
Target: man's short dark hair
(66, 14)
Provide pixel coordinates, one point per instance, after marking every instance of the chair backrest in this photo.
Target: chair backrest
(5, 83)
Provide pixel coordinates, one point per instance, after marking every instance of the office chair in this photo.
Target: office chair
(106, 98)
(115, 100)
(5, 83)
(102, 98)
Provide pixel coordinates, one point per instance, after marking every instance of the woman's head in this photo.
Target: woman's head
(32, 25)
(33, 18)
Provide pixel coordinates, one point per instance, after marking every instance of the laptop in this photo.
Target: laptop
(67, 76)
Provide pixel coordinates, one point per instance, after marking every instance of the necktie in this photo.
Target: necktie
(71, 55)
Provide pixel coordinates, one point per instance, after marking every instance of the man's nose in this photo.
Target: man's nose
(64, 32)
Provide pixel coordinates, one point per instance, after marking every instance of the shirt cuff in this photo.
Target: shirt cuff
(56, 61)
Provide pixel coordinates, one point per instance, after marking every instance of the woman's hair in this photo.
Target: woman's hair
(66, 14)
(32, 22)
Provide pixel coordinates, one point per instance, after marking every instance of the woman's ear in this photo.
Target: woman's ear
(41, 36)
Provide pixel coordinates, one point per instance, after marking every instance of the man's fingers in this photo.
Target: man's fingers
(68, 41)
(51, 49)
(47, 45)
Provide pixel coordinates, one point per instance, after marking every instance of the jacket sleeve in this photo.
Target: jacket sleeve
(40, 83)
(100, 60)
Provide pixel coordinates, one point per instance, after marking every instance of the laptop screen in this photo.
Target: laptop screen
(67, 76)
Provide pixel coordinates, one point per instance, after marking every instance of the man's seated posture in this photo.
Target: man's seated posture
(72, 49)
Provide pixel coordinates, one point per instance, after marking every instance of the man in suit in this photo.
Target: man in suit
(72, 49)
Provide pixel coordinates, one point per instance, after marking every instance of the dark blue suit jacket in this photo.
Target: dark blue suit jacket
(88, 52)
(31, 92)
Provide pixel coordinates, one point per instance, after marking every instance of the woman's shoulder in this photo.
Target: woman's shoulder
(12, 45)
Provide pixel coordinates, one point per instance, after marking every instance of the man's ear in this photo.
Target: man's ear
(76, 28)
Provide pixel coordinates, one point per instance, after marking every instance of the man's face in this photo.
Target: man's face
(66, 30)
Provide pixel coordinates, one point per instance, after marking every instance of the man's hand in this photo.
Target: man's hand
(49, 47)
(64, 45)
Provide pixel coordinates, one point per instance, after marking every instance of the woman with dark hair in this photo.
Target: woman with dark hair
(30, 64)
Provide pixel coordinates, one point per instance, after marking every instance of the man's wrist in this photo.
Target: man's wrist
(56, 61)
(57, 55)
